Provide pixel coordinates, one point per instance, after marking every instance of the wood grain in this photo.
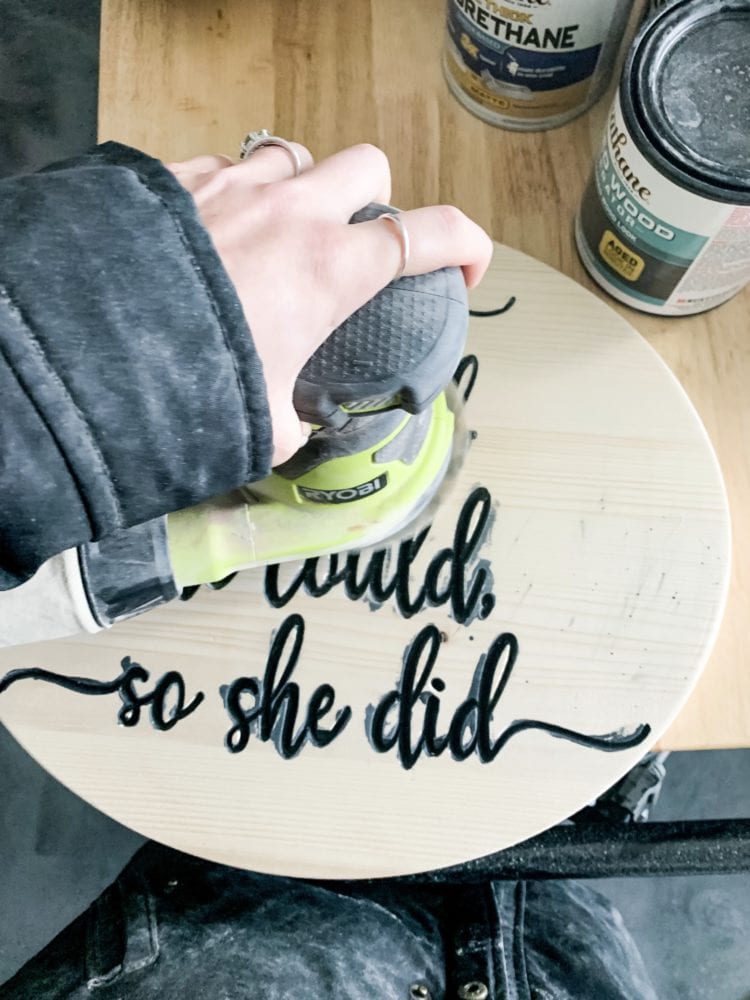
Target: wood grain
(608, 561)
(179, 78)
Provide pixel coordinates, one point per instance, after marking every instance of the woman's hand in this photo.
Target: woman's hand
(299, 268)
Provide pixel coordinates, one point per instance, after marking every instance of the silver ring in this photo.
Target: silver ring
(254, 141)
(403, 235)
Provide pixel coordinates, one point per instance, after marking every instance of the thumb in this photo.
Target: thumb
(289, 433)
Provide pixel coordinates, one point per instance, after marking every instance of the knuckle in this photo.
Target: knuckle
(451, 220)
(375, 155)
(481, 246)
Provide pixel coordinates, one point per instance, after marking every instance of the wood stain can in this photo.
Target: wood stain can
(664, 224)
(531, 64)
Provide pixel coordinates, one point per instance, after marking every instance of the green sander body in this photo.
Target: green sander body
(384, 434)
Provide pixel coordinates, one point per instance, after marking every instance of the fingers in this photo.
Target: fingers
(269, 164)
(199, 165)
(347, 181)
(265, 165)
(289, 433)
(339, 185)
(440, 236)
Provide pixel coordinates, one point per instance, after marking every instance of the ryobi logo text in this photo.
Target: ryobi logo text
(346, 495)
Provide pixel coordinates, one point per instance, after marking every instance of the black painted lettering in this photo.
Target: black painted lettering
(321, 703)
(467, 600)
(468, 364)
(404, 698)
(163, 716)
(392, 723)
(276, 701)
(465, 717)
(488, 698)
(451, 576)
(433, 744)
(238, 736)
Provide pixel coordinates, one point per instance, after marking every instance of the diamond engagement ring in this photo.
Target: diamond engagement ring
(403, 234)
(254, 141)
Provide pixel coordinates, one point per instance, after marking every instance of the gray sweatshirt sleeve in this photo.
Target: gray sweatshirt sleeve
(129, 382)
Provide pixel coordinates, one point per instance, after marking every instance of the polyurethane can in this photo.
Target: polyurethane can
(664, 224)
(532, 64)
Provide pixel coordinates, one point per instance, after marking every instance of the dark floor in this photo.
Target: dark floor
(693, 932)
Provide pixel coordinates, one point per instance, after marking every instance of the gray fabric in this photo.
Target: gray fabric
(49, 54)
(576, 946)
(129, 383)
(174, 926)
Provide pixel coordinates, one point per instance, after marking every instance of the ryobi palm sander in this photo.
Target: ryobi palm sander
(384, 436)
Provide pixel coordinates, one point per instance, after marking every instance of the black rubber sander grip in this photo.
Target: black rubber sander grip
(400, 349)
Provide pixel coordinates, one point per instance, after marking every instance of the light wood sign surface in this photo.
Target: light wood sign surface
(178, 79)
(376, 717)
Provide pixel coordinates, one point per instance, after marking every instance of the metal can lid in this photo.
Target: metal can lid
(687, 85)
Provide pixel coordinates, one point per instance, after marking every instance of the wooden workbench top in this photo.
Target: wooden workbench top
(183, 78)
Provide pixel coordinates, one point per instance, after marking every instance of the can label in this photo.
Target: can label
(632, 234)
(527, 59)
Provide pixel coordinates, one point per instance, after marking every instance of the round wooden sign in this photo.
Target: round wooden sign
(440, 700)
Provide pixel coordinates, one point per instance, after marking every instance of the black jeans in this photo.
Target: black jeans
(174, 927)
